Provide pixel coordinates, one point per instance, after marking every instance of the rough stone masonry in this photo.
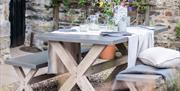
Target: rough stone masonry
(4, 30)
(166, 12)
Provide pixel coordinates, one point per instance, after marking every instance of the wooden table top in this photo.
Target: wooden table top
(93, 39)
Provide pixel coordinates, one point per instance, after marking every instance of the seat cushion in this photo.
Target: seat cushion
(33, 61)
(160, 57)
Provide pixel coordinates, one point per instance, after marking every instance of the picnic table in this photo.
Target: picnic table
(65, 50)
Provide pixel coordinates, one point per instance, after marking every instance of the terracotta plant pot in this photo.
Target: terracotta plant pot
(108, 53)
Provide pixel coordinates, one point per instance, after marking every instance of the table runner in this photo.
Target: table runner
(140, 40)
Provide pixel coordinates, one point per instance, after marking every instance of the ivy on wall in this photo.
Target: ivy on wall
(55, 3)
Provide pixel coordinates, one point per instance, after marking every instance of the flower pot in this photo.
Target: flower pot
(108, 53)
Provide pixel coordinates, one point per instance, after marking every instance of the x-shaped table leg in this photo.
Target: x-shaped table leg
(77, 71)
(24, 79)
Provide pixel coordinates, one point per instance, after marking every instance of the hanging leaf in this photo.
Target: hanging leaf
(82, 2)
(117, 2)
(178, 30)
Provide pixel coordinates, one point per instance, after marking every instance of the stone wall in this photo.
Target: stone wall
(4, 30)
(39, 17)
(1, 7)
(166, 12)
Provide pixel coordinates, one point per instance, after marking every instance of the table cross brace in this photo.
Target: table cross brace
(24, 79)
(77, 71)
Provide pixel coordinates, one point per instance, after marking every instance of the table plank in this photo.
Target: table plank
(157, 29)
(91, 39)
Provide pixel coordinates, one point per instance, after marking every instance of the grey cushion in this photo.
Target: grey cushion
(33, 61)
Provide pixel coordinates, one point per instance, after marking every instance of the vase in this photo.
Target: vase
(108, 53)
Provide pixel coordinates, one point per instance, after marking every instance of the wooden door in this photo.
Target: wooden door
(17, 20)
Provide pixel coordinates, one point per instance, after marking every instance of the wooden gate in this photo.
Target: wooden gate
(17, 20)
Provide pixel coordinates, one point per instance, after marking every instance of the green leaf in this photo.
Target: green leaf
(178, 29)
(82, 2)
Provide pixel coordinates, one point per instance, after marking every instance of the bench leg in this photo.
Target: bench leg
(131, 86)
(24, 79)
(147, 87)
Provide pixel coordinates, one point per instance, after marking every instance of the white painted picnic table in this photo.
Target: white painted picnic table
(66, 48)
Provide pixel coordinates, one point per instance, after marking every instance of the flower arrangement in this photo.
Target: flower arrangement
(107, 6)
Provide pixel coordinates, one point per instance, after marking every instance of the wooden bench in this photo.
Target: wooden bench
(139, 82)
(32, 61)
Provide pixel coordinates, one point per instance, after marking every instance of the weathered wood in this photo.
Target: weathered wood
(76, 38)
(135, 82)
(147, 14)
(73, 50)
(131, 86)
(81, 69)
(101, 65)
(54, 60)
(56, 16)
(65, 56)
(137, 77)
(85, 85)
(76, 71)
(24, 79)
(61, 78)
(114, 73)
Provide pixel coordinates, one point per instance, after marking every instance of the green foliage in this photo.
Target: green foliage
(66, 4)
(108, 10)
(117, 2)
(55, 3)
(141, 5)
(178, 29)
(82, 2)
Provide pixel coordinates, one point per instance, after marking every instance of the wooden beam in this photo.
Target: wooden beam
(56, 16)
(147, 14)
(48, 77)
(101, 65)
(154, 80)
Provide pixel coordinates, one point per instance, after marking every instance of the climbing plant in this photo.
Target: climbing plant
(178, 30)
(140, 6)
(55, 3)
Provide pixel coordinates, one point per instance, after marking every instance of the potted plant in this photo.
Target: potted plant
(108, 53)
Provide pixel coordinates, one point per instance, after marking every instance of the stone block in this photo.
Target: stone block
(169, 13)
(4, 28)
(4, 42)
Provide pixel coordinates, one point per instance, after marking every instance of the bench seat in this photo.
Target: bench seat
(32, 61)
